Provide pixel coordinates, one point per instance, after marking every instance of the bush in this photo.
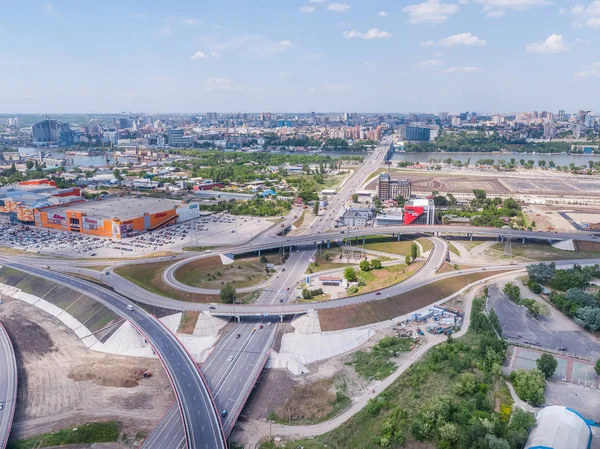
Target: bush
(364, 265)
(350, 274)
(513, 292)
(597, 367)
(534, 287)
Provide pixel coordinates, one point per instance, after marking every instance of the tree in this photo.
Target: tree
(597, 367)
(364, 265)
(355, 197)
(552, 164)
(529, 385)
(547, 364)
(227, 294)
(414, 251)
(407, 259)
(316, 208)
(480, 195)
(29, 165)
(513, 292)
(350, 274)
(376, 264)
(542, 163)
(542, 272)
(493, 442)
(589, 318)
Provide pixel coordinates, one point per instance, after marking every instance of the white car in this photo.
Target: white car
(230, 358)
(130, 307)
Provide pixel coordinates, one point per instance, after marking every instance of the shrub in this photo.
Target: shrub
(547, 364)
(529, 385)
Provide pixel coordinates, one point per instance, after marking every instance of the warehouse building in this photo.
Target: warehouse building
(560, 427)
(116, 217)
(20, 200)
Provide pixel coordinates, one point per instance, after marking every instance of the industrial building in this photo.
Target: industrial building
(392, 188)
(20, 200)
(560, 427)
(116, 217)
(419, 211)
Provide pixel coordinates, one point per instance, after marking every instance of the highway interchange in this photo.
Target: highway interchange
(209, 400)
(8, 385)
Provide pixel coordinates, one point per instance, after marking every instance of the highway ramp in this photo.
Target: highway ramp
(8, 385)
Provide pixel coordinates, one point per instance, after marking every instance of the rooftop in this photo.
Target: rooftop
(124, 208)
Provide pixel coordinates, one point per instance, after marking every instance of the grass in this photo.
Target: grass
(332, 181)
(212, 273)
(374, 174)
(376, 363)
(387, 308)
(96, 267)
(542, 252)
(425, 243)
(471, 244)
(386, 276)
(313, 403)
(322, 264)
(95, 432)
(188, 322)
(453, 249)
(149, 277)
(196, 248)
(387, 244)
(300, 220)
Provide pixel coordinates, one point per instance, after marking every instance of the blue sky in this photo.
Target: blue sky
(296, 56)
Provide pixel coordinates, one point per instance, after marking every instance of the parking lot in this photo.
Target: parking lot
(556, 332)
(213, 230)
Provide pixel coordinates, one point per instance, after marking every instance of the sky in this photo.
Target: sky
(500, 56)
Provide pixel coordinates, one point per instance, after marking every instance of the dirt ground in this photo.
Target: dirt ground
(62, 383)
(212, 273)
(428, 182)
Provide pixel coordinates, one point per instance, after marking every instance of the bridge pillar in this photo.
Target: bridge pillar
(523, 240)
(471, 237)
(290, 248)
(363, 239)
(259, 253)
(501, 238)
(398, 237)
(238, 318)
(328, 244)
(281, 318)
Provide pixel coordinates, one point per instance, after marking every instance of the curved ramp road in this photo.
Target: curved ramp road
(201, 421)
(8, 385)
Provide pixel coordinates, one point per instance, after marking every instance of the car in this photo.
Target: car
(484, 269)
(130, 307)
(224, 413)
(1, 406)
(93, 254)
(281, 300)
(212, 307)
(253, 329)
(260, 327)
(238, 335)
(230, 358)
(378, 293)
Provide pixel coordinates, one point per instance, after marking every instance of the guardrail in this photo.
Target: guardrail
(13, 400)
(572, 355)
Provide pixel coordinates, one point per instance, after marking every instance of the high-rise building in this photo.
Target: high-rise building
(176, 137)
(265, 116)
(392, 188)
(562, 116)
(45, 131)
(549, 130)
(110, 137)
(417, 133)
(589, 121)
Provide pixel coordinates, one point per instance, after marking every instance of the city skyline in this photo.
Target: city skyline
(312, 55)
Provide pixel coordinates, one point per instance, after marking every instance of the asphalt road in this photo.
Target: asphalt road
(201, 420)
(8, 385)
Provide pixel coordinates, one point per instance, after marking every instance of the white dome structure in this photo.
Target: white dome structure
(559, 427)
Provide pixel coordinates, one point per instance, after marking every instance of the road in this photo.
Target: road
(199, 414)
(8, 385)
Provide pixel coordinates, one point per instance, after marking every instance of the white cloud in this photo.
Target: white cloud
(251, 45)
(368, 64)
(464, 69)
(198, 55)
(285, 74)
(593, 22)
(285, 43)
(430, 63)
(215, 55)
(466, 39)
(373, 33)
(496, 13)
(307, 9)
(589, 71)
(49, 10)
(517, 5)
(382, 14)
(189, 21)
(554, 44)
(340, 87)
(339, 7)
(317, 1)
(166, 31)
(432, 11)
(563, 11)
(219, 84)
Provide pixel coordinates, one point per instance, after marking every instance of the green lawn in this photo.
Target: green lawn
(386, 276)
(376, 363)
(212, 273)
(453, 249)
(540, 251)
(95, 432)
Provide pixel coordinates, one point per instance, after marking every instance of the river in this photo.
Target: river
(77, 160)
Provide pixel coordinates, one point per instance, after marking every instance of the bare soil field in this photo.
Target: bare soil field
(63, 384)
(388, 308)
(428, 182)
